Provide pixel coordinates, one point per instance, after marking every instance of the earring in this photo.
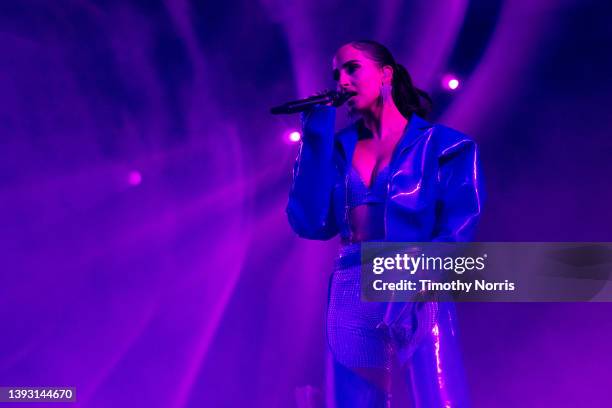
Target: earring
(385, 92)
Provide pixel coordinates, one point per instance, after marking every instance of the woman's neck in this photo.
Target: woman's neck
(384, 121)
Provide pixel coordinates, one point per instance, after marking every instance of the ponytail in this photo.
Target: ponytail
(408, 98)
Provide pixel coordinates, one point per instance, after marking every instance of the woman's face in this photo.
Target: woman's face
(355, 71)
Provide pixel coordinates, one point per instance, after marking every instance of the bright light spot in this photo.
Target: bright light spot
(134, 178)
(295, 136)
(450, 82)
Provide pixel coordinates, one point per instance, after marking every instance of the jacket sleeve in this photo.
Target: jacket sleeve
(461, 192)
(310, 209)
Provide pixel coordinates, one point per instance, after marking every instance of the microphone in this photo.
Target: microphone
(336, 98)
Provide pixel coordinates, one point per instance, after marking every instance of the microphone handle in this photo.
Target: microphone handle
(301, 105)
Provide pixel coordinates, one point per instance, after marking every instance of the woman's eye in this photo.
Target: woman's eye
(352, 68)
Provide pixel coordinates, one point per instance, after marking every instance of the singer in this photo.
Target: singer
(389, 176)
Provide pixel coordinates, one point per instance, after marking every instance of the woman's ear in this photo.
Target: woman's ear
(387, 74)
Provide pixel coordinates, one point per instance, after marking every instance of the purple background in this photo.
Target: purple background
(189, 289)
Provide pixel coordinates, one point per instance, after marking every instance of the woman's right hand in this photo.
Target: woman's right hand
(330, 103)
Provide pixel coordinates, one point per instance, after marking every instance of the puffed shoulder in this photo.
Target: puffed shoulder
(451, 141)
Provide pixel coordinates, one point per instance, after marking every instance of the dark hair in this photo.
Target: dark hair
(408, 98)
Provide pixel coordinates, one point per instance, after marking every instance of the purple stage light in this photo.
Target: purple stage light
(450, 82)
(134, 178)
(295, 137)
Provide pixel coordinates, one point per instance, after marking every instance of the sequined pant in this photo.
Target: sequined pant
(420, 338)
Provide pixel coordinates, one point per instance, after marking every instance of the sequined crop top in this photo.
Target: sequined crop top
(366, 206)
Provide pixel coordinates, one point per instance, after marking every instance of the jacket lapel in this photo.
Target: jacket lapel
(348, 137)
(416, 128)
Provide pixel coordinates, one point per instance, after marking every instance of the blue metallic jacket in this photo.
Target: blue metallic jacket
(435, 190)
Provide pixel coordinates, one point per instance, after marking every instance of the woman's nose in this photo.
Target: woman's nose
(343, 81)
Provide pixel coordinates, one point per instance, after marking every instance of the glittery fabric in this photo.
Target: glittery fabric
(366, 206)
(358, 193)
(353, 327)
(421, 336)
(371, 334)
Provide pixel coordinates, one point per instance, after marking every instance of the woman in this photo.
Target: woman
(390, 176)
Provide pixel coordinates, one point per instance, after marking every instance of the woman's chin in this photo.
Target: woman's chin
(357, 105)
(354, 107)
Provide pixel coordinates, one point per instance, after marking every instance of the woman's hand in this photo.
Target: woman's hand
(323, 92)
